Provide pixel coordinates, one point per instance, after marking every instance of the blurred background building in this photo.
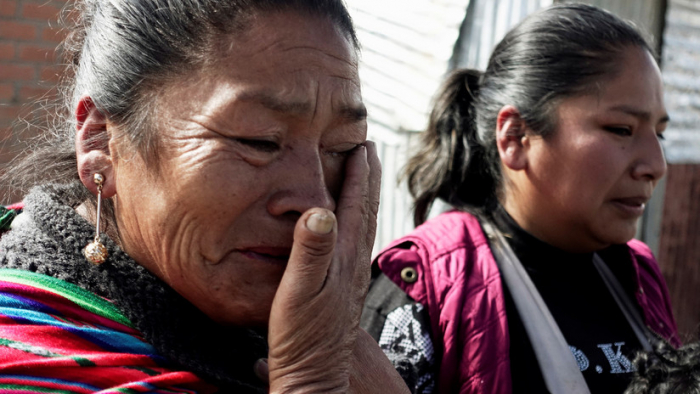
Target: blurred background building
(408, 47)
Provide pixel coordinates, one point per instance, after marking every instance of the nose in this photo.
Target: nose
(301, 185)
(651, 163)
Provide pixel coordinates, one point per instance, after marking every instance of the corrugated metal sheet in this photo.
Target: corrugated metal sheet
(681, 73)
(486, 23)
(647, 15)
(406, 47)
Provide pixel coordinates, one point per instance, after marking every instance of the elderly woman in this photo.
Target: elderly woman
(221, 147)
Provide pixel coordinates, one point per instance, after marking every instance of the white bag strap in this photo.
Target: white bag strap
(561, 373)
(623, 301)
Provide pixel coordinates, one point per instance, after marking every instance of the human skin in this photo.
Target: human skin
(585, 186)
(264, 181)
(246, 146)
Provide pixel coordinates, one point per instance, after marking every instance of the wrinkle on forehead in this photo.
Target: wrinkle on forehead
(352, 62)
(254, 37)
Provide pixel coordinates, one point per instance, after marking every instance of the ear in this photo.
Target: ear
(92, 147)
(511, 138)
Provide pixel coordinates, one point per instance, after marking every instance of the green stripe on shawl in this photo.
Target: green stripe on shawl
(85, 299)
(6, 218)
(34, 389)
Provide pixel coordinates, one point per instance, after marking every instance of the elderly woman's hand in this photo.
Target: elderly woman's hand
(315, 314)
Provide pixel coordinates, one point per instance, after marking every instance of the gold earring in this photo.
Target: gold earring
(95, 252)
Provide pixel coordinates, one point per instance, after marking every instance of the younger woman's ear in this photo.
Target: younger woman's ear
(511, 138)
(92, 147)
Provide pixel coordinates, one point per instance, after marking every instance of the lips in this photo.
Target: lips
(276, 255)
(632, 206)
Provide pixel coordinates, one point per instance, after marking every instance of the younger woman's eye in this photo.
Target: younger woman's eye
(660, 136)
(623, 131)
(260, 145)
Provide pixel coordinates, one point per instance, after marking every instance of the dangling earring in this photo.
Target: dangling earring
(95, 252)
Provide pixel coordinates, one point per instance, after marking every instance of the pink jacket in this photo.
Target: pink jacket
(460, 285)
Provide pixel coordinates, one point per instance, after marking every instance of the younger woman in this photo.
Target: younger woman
(554, 150)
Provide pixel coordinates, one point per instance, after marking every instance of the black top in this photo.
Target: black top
(594, 326)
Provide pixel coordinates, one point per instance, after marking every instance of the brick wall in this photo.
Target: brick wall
(29, 69)
(679, 248)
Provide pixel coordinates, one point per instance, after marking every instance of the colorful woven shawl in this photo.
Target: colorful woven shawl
(56, 337)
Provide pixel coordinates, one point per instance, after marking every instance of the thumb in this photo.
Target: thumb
(312, 252)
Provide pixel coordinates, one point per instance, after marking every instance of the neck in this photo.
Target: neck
(552, 230)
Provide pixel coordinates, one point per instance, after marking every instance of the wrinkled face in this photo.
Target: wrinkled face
(247, 145)
(589, 181)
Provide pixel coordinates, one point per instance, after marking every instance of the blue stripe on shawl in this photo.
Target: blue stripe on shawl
(16, 301)
(109, 340)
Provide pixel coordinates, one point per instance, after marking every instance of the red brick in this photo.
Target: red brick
(54, 34)
(17, 30)
(7, 92)
(40, 11)
(7, 155)
(9, 113)
(13, 72)
(37, 53)
(32, 92)
(51, 74)
(7, 51)
(5, 133)
(8, 7)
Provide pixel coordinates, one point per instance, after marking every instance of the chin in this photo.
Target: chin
(618, 235)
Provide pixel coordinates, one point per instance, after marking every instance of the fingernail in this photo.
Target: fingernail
(262, 370)
(320, 223)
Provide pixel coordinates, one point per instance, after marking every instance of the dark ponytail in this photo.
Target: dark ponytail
(450, 152)
(556, 53)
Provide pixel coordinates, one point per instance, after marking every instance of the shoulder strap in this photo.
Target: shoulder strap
(559, 368)
(623, 301)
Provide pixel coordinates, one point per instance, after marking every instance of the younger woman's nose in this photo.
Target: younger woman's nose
(651, 162)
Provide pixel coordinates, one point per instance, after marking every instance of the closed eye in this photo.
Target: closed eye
(619, 130)
(344, 152)
(259, 145)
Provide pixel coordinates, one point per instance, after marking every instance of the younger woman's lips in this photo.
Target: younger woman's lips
(630, 206)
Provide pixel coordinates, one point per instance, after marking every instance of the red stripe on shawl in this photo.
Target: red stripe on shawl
(96, 376)
(115, 378)
(53, 339)
(4, 320)
(100, 360)
(10, 355)
(45, 385)
(65, 306)
(184, 380)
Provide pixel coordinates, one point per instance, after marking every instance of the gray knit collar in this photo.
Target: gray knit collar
(50, 241)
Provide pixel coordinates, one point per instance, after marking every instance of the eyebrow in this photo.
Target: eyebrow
(269, 101)
(644, 115)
